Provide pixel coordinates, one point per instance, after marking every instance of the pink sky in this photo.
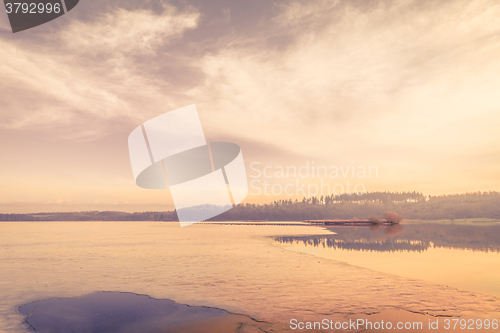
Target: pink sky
(410, 87)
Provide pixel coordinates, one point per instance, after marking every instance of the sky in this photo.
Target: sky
(408, 88)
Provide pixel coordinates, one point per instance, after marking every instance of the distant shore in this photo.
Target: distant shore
(410, 205)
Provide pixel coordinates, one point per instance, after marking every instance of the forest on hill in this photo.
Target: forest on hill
(411, 205)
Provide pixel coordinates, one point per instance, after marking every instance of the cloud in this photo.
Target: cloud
(364, 71)
(123, 31)
(87, 73)
(401, 69)
(409, 86)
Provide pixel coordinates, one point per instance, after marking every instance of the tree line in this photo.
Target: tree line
(411, 205)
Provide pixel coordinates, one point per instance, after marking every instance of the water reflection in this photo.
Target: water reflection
(412, 237)
(466, 257)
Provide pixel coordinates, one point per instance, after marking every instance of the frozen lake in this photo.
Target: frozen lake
(241, 269)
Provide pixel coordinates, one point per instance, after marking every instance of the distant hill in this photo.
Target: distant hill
(92, 216)
(411, 205)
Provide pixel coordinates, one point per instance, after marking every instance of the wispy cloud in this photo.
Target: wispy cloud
(88, 70)
(410, 86)
(406, 68)
(123, 31)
